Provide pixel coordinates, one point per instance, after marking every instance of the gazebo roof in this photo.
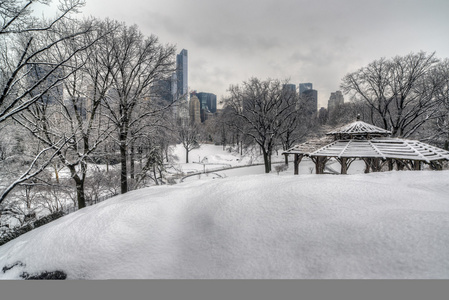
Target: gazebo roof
(309, 146)
(382, 148)
(360, 128)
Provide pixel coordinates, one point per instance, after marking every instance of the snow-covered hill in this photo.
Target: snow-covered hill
(379, 225)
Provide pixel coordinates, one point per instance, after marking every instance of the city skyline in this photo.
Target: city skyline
(299, 40)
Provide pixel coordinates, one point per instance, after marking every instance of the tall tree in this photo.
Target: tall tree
(399, 91)
(74, 118)
(265, 109)
(20, 50)
(135, 63)
(189, 136)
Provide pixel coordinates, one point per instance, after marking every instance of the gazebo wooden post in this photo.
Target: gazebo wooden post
(417, 165)
(344, 166)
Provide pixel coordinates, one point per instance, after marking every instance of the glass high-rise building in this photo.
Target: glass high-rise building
(289, 87)
(304, 87)
(208, 101)
(309, 98)
(182, 73)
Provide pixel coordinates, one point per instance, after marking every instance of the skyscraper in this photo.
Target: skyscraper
(208, 101)
(182, 73)
(194, 110)
(43, 82)
(304, 87)
(289, 87)
(161, 89)
(309, 98)
(336, 99)
(174, 86)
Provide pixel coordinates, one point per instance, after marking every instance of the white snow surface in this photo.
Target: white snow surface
(378, 225)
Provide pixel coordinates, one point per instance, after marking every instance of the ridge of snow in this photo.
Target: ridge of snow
(378, 225)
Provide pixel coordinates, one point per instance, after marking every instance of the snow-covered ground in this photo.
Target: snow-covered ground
(212, 157)
(378, 225)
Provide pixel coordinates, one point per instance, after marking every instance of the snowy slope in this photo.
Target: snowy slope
(379, 225)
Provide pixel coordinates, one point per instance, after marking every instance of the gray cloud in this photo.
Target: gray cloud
(304, 40)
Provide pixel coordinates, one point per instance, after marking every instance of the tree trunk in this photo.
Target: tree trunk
(367, 165)
(400, 165)
(123, 161)
(80, 192)
(390, 164)
(131, 163)
(320, 164)
(266, 161)
(187, 156)
(56, 173)
(155, 174)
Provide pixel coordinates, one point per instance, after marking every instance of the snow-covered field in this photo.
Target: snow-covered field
(211, 158)
(378, 225)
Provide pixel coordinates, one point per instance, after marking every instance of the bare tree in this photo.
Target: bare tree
(76, 120)
(135, 63)
(437, 131)
(21, 47)
(296, 126)
(189, 136)
(265, 109)
(400, 91)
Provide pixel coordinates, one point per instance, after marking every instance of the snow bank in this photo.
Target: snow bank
(379, 225)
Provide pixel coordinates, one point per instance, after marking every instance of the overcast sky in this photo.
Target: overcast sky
(315, 41)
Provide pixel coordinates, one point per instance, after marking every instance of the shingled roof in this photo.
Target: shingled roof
(359, 128)
(382, 148)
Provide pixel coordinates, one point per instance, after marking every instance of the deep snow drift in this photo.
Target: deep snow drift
(379, 225)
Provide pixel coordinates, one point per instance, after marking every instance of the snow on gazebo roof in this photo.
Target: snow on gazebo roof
(382, 148)
(360, 128)
(308, 147)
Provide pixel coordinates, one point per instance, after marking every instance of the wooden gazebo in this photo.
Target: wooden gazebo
(360, 140)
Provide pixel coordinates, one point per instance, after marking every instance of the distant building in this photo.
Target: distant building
(304, 87)
(323, 116)
(45, 78)
(208, 105)
(179, 86)
(161, 90)
(174, 86)
(309, 98)
(310, 102)
(208, 101)
(194, 110)
(336, 99)
(182, 83)
(289, 87)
